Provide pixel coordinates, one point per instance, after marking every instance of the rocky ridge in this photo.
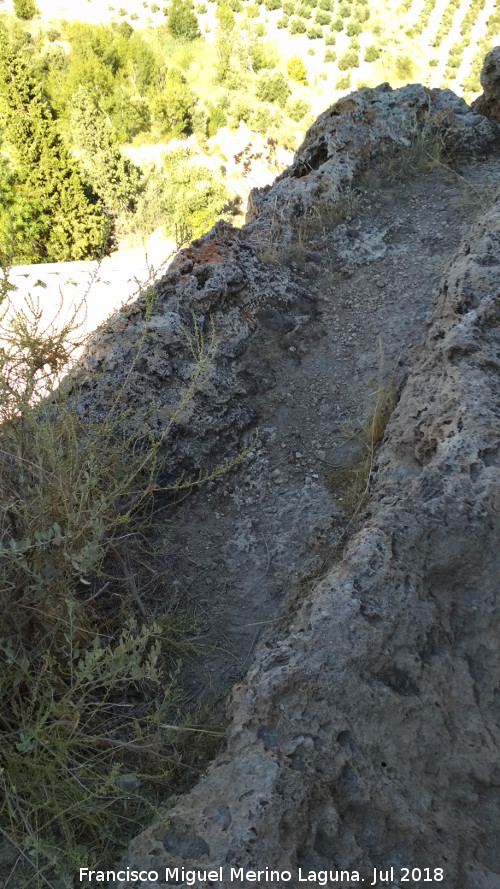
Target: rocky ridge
(366, 731)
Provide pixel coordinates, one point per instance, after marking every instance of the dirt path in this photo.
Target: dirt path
(366, 287)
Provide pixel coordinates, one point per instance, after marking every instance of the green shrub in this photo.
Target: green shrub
(322, 18)
(288, 7)
(282, 22)
(344, 10)
(262, 55)
(273, 88)
(53, 34)
(86, 684)
(330, 56)
(362, 13)
(337, 24)
(404, 67)
(372, 53)
(353, 29)
(252, 11)
(172, 108)
(296, 70)
(154, 8)
(314, 32)
(272, 5)
(343, 83)
(261, 120)
(25, 9)
(327, 5)
(348, 60)
(297, 26)
(181, 20)
(297, 108)
(330, 40)
(122, 11)
(303, 11)
(216, 119)
(240, 109)
(260, 29)
(133, 16)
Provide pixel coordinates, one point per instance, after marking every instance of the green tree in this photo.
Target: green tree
(273, 88)
(172, 108)
(296, 70)
(372, 53)
(303, 11)
(192, 196)
(262, 55)
(225, 42)
(25, 9)
(181, 20)
(113, 177)
(348, 60)
(296, 109)
(297, 26)
(48, 215)
(353, 29)
(322, 18)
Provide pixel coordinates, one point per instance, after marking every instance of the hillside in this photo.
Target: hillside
(192, 107)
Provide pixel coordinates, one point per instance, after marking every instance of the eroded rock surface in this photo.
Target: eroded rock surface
(488, 103)
(367, 735)
(366, 731)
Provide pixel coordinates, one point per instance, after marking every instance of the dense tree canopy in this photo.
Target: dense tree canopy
(47, 214)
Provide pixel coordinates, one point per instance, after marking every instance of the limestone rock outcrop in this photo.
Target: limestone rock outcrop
(366, 733)
(488, 103)
(352, 134)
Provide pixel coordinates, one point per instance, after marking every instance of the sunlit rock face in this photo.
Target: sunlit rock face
(365, 736)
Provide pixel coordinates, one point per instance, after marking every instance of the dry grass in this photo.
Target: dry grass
(350, 482)
(89, 704)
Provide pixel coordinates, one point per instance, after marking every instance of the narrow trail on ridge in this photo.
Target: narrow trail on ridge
(366, 288)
